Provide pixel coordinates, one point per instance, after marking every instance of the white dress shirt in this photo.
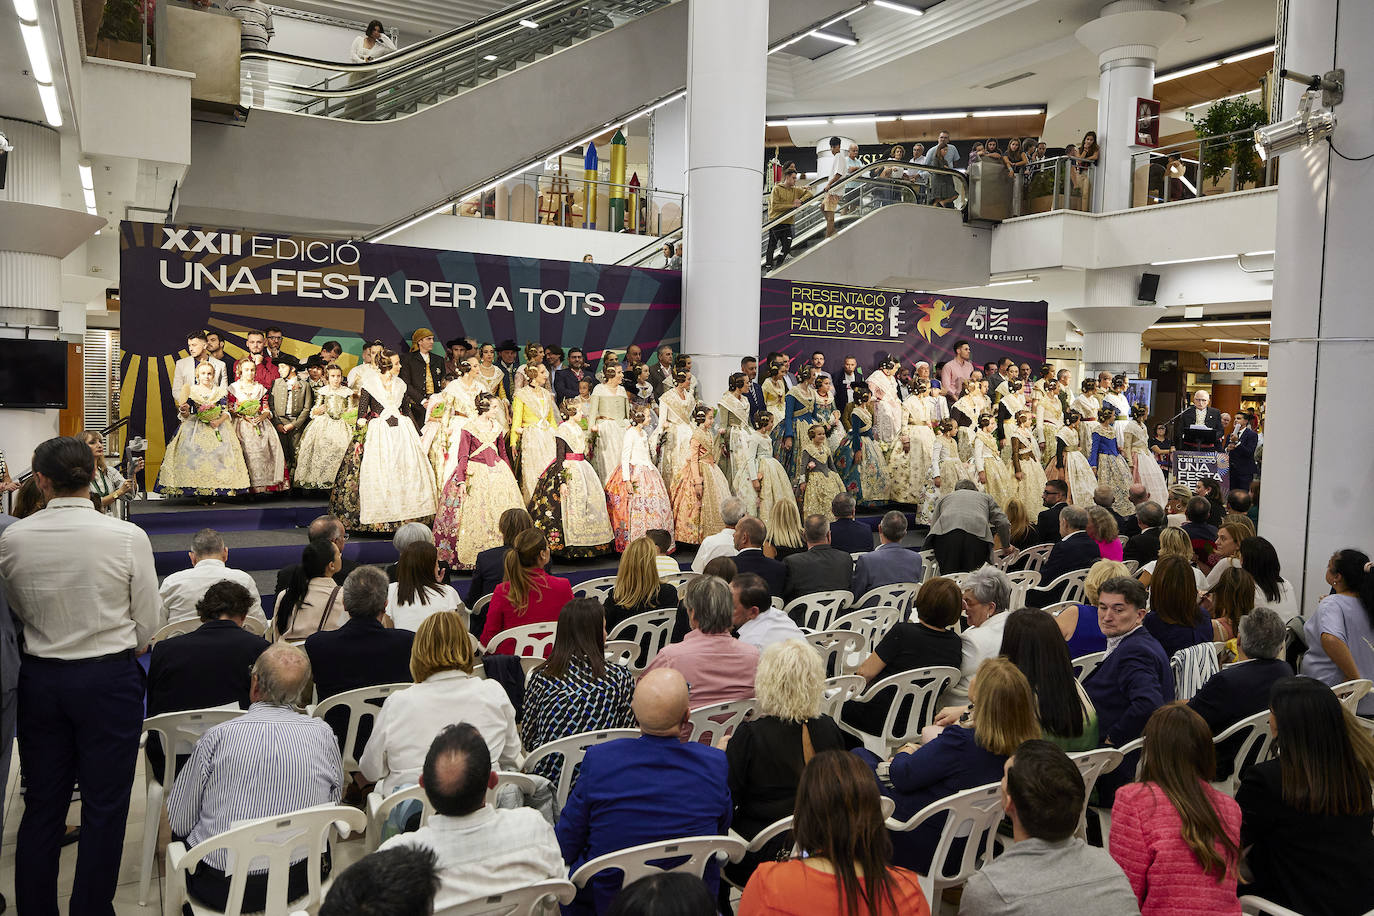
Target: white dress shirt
(82, 583)
(769, 627)
(980, 643)
(410, 616)
(410, 718)
(488, 852)
(720, 544)
(182, 591)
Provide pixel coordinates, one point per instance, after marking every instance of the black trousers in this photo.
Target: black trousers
(959, 551)
(210, 886)
(77, 721)
(780, 235)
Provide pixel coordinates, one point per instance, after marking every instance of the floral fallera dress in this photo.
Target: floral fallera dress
(569, 503)
(201, 459)
(635, 494)
(326, 439)
(468, 515)
(860, 462)
(262, 450)
(696, 514)
(819, 483)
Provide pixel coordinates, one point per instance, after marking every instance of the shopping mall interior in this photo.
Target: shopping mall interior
(1175, 191)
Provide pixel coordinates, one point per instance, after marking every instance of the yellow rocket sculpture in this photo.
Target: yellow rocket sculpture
(589, 188)
(619, 193)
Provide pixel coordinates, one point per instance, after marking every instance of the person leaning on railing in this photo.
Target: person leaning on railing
(784, 199)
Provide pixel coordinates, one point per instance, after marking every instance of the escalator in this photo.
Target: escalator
(890, 231)
(332, 148)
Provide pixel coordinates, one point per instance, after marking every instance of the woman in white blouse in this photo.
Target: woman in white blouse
(371, 45)
(419, 590)
(445, 692)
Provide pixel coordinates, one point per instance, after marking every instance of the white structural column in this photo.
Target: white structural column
(1318, 444)
(1110, 322)
(727, 74)
(1126, 37)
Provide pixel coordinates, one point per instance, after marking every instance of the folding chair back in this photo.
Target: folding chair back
(842, 651)
(638, 862)
(973, 815)
(363, 703)
(714, 721)
(540, 899)
(594, 588)
(572, 749)
(815, 611)
(651, 630)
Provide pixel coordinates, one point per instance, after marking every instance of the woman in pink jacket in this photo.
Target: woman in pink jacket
(1176, 838)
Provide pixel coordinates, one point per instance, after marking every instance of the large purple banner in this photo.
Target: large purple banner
(869, 324)
(176, 279)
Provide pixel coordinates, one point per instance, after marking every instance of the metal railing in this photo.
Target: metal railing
(1053, 183)
(425, 74)
(1203, 167)
(561, 200)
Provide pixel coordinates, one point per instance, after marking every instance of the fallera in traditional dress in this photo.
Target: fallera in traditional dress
(569, 503)
(262, 451)
(1144, 467)
(675, 433)
(326, 439)
(467, 521)
(1000, 485)
(887, 408)
(754, 462)
(1078, 474)
(1025, 458)
(822, 482)
(635, 495)
(1087, 408)
(920, 413)
(774, 398)
(610, 411)
(202, 460)
(1049, 416)
(860, 462)
(799, 415)
(732, 419)
(944, 464)
(459, 399)
(492, 383)
(1111, 467)
(533, 420)
(395, 479)
(697, 515)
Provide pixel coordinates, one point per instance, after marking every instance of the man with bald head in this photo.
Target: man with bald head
(645, 789)
(481, 850)
(223, 783)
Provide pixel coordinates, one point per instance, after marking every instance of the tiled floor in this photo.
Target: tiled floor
(126, 897)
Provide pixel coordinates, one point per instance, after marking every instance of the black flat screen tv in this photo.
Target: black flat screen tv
(33, 373)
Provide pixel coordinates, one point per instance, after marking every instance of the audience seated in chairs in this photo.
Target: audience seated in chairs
(311, 601)
(755, 619)
(445, 691)
(1078, 622)
(749, 537)
(490, 567)
(481, 850)
(1143, 546)
(645, 789)
(419, 588)
(1176, 619)
(723, 568)
(208, 666)
(637, 586)
(1307, 822)
(908, 646)
(968, 754)
(722, 543)
(1033, 643)
(407, 534)
(821, 567)
(324, 529)
(1056, 499)
(395, 882)
(848, 866)
(529, 594)
(1074, 550)
(1046, 869)
(1201, 531)
(663, 544)
(1173, 543)
(888, 564)
(1103, 529)
(768, 752)
(1130, 524)
(845, 533)
(717, 665)
(575, 691)
(181, 591)
(986, 598)
(1340, 634)
(1176, 838)
(222, 784)
(785, 533)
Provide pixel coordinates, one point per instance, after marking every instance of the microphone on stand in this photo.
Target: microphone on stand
(134, 450)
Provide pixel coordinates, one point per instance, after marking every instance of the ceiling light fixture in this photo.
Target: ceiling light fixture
(807, 122)
(899, 7)
(856, 119)
(489, 57)
(1007, 112)
(1186, 71)
(831, 36)
(1246, 55)
(87, 179)
(843, 16)
(26, 9)
(1235, 340)
(529, 23)
(1213, 257)
(1016, 282)
(1224, 98)
(933, 116)
(39, 66)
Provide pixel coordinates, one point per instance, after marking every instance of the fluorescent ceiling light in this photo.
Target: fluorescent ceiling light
(1224, 98)
(1256, 254)
(87, 181)
(89, 196)
(489, 57)
(38, 52)
(774, 123)
(51, 110)
(1186, 71)
(1170, 325)
(1235, 324)
(856, 119)
(933, 116)
(529, 23)
(27, 10)
(1215, 257)
(1246, 55)
(1016, 282)
(93, 212)
(842, 16)
(830, 36)
(807, 122)
(1253, 342)
(1008, 112)
(899, 7)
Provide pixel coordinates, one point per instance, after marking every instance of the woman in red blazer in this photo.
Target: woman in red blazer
(528, 594)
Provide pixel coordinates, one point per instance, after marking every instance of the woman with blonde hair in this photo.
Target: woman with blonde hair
(1078, 622)
(1229, 538)
(1173, 542)
(445, 692)
(1023, 531)
(970, 753)
(785, 535)
(638, 588)
(1103, 530)
(529, 594)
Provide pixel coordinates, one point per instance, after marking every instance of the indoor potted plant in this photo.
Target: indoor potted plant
(1230, 116)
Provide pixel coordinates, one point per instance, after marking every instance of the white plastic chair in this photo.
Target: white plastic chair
(900, 595)
(622, 652)
(651, 630)
(1072, 583)
(761, 841)
(572, 749)
(815, 611)
(597, 588)
(972, 814)
(480, 606)
(678, 579)
(254, 625)
(929, 567)
(872, 622)
(838, 690)
(1085, 665)
(841, 651)
(1351, 692)
(360, 705)
(1250, 905)
(379, 807)
(1102, 815)
(918, 692)
(1256, 746)
(177, 732)
(714, 721)
(536, 900)
(1032, 558)
(1131, 566)
(637, 861)
(276, 839)
(531, 639)
(179, 628)
(1091, 765)
(1022, 581)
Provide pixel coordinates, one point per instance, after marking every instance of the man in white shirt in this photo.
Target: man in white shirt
(722, 543)
(83, 586)
(184, 373)
(182, 591)
(840, 167)
(482, 850)
(987, 595)
(758, 622)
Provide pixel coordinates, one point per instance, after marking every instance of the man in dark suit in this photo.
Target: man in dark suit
(890, 563)
(819, 568)
(1056, 497)
(1244, 440)
(363, 652)
(749, 535)
(1129, 526)
(208, 666)
(661, 375)
(507, 360)
(1105, 497)
(845, 380)
(423, 374)
(754, 393)
(1075, 550)
(565, 380)
(1144, 547)
(323, 528)
(1200, 429)
(845, 533)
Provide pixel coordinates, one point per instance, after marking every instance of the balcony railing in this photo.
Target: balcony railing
(561, 200)
(1197, 168)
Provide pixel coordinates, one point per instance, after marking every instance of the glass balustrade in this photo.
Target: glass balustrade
(561, 200)
(1204, 167)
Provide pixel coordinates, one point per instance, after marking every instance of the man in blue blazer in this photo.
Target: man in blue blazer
(845, 533)
(749, 535)
(891, 562)
(644, 790)
(1244, 440)
(754, 393)
(1075, 550)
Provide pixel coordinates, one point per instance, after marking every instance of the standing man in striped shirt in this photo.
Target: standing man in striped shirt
(270, 761)
(255, 32)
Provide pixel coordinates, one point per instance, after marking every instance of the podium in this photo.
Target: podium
(1192, 466)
